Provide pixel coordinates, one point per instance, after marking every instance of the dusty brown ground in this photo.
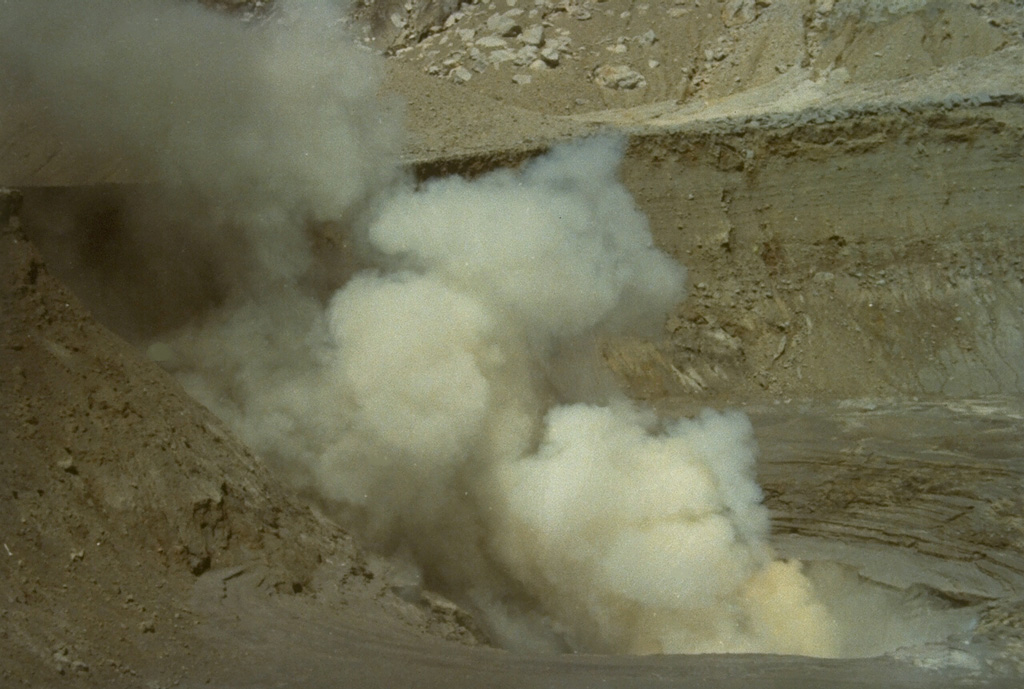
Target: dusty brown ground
(121, 493)
(846, 190)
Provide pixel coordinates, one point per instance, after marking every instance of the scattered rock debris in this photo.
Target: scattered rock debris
(619, 77)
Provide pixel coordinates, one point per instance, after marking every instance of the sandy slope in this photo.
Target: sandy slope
(119, 491)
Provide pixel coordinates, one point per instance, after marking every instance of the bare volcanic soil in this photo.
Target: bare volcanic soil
(843, 181)
(124, 500)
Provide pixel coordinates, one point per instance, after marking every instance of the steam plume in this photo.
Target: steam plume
(449, 400)
(450, 408)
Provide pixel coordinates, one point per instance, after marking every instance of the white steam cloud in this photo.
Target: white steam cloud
(442, 400)
(449, 400)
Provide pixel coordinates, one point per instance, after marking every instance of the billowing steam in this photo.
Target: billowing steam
(448, 400)
(452, 399)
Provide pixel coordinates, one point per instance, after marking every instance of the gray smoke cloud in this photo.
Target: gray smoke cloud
(448, 400)
(261, 127)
